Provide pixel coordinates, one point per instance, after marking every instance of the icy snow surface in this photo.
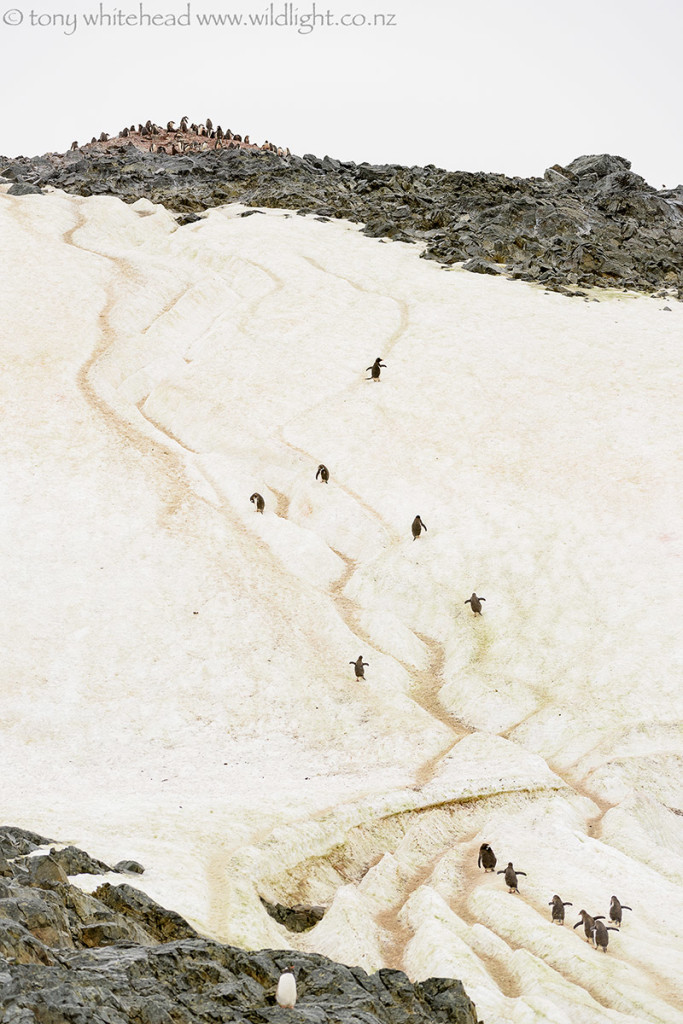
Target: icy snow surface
(177, 686)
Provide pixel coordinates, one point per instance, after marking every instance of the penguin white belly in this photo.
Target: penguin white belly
(286, 991)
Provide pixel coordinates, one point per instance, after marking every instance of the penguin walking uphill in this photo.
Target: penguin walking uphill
(359, 666)
(588, 923)
(615, 909)
(323, 473)
(375, 369)
(600, 936)
(475, 602)
(286, 989)
(557, 913)
(257, 499)
(417, 527)
(511, 877)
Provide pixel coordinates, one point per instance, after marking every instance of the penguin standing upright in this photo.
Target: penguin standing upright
(475, 602)
(417, 527)
(359, 666)
(588, 923)
(487, 858)
(511, 877)
(323, 473)
(286, 990)
(375, 369)
(615, 909)
(257, 500)
(600, 936)
(558, 905)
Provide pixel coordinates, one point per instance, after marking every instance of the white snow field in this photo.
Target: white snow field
(176, 678)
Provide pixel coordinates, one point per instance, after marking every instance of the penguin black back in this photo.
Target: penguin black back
(475, 602)
(359, 666)
(487, 858)
(417, 527)
(257, 500)
(323, 473)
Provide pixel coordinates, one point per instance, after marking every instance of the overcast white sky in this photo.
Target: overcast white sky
(493, 86)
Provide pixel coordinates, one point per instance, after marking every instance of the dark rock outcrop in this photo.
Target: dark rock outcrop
(591, 223)
(298, 918)
(117, 957)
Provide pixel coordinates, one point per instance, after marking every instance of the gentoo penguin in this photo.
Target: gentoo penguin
(375, 369)
(417, 527)
(615, 909)
(104, 137)
(246, 139)
(74, 144)
(184, 121)
(511, 877)
(600, 936)
(258, 501)
(209, 123)
(487, 858)
(588, 923)
(359, 666)
(286, 990)
(170, 126)
(558, 905)
(475, 602)
(323, 473)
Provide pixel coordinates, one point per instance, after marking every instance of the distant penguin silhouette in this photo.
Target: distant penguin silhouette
(588, 923)
(511, 877)
(600, 936)
(257, 499)
(615, 909)
(323, 473)
(286, 990)
(375, 369)
(359, 666)
(487, 858)
(476, 603)
(558, 905)
(417, 527)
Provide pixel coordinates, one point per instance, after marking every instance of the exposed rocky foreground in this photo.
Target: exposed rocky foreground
(591, 223)
(116, 956)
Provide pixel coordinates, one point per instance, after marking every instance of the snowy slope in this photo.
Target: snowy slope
(177, 685)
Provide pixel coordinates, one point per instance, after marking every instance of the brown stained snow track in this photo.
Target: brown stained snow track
(427, 682)
(174, 487)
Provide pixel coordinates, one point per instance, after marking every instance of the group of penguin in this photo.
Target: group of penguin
(416, 528)
(592, 925)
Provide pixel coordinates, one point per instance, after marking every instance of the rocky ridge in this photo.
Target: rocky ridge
(591, 223)
(116, 957)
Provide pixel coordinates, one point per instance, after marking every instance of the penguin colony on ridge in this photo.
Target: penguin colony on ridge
(188, 138)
